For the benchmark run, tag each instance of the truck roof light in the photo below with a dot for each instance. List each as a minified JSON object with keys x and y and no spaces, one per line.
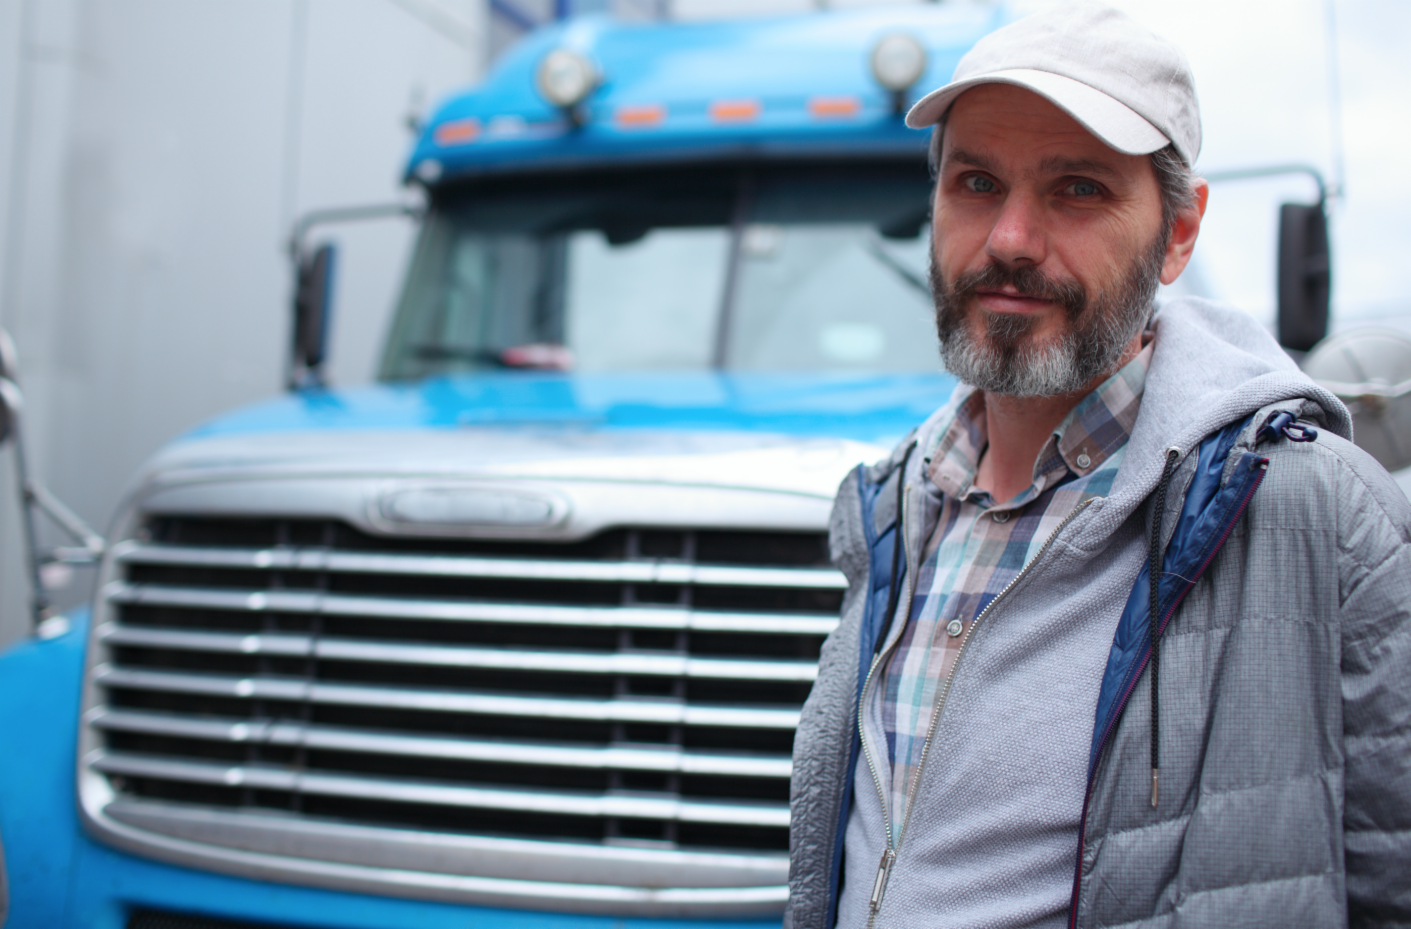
{"x":732,"y":111}
{"x":641,"y":115}
{"x":565,"y":78}
{"x":898,"y":61}
{"x":825,"y":107}
{"x":457,"y":132}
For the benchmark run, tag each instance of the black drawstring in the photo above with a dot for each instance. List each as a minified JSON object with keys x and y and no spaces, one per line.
{"x":1154,"y":620}
{"x":893,"y":594}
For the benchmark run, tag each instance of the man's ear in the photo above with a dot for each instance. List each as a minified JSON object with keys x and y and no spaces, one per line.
{"x":1184,"y":233}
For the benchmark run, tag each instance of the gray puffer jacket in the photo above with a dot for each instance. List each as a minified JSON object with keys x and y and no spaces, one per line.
{"x":1284,"y":715}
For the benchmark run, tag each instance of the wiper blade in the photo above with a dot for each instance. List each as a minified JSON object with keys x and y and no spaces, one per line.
{"x":921,"y":285}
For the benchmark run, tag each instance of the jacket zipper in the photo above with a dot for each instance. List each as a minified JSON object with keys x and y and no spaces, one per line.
{"x":1127,"y":694}
{"x":884,"y":869}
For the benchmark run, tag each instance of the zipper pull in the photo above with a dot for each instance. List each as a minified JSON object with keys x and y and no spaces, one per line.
{"x":884,"y":871}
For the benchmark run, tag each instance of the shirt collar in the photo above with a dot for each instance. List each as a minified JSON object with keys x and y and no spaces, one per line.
{"x":1091,"y":433}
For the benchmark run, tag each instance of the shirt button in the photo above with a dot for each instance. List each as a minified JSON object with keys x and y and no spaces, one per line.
{"x":954,"y":628}
{"x":1001,"y":516}
{"x":1084,"y":461}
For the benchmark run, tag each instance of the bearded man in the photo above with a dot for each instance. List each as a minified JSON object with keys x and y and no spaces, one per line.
{"x":1126,"y":638}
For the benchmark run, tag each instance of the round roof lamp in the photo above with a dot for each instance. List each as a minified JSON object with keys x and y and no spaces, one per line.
{"x":898,"y":61}
{"x":565,"y":79}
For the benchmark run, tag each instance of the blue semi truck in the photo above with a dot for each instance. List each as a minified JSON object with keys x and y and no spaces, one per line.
{"x":519,"y":635}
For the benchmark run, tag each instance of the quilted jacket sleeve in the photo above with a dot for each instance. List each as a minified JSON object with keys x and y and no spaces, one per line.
{"x":1375,"y":577}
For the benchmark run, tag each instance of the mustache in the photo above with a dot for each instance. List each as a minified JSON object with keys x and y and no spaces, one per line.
{"x":1027,"y":281}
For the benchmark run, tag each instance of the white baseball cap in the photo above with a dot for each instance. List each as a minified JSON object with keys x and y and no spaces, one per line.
{"x":1126,"y":85}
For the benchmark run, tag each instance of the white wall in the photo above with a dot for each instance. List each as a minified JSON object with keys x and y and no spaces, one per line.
{"x":154,"y":155}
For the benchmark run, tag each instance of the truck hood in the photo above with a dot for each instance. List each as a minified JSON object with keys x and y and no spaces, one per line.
{"x":868,"y":408}
{"x":783,"y":434}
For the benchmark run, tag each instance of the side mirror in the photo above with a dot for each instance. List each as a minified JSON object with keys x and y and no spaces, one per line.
{"x":10,"y":403}
{"x":10,"y":399}
{"x":313,"y":313}
{"x":1305,"y":275}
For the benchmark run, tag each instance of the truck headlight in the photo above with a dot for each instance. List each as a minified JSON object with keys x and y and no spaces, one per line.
{"x":565,"y":78}
{"x":898,"y":61}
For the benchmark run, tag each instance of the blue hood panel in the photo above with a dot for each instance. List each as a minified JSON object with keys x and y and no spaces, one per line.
{"x":864,"y":408}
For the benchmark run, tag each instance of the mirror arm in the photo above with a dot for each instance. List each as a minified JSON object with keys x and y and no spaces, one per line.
{"x":1241,"y":174}
{"x":34,"y":496}
{"x":40,"y":605}
{"x":346,"y":214}
{"x":92,"y":543}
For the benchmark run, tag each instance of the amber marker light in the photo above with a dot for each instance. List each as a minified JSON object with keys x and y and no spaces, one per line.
{"x":834,"y":107}
{"x":734,"y":111}
{"x":637,"y":116}
{"x":457,"y":132}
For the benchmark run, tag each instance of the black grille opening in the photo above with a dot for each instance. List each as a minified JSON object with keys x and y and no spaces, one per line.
{"x":778,"y":742}
{"x":147,"y":744}
{"x":481,"y":589}
{"x":765,"y":839}
{"x":218,"y":578}
{"x":449,"y":819}
{"x":531,"y":729}
{"x":171,"y":617}
{"x":768,"y":600}
{"x":766,"y":645}
{"x":523,"y":683}
{"x":504,"y":635}
{"x":735,"y":788}
{"x":504,"y":775}
{"x":152,"y":788}
{"x":201,"y":705}
{"x":188,"y":662}
{"x":782,"y":549}
{"x":777,"y":694}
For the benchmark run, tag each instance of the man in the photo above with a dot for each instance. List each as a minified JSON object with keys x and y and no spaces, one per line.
{"x":1010,"y":726}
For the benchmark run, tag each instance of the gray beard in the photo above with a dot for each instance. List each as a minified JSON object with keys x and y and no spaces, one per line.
{"x":1005,"y":359}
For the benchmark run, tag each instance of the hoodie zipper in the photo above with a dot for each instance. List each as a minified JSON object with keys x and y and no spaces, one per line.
{"x":889,"y":857}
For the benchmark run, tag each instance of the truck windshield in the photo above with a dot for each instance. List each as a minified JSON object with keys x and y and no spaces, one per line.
{"x":781,"y":268}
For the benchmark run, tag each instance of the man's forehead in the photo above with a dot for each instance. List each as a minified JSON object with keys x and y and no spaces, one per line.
{"x":993,"y":125}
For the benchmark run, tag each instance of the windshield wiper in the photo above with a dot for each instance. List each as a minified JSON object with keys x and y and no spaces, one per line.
{"x":875,"y":249}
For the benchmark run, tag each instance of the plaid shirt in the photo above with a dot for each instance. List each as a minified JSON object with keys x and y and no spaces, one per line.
{"x":979,"y":546}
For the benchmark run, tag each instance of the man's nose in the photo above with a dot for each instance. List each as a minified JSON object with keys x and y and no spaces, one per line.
{"x":1017,"y":236}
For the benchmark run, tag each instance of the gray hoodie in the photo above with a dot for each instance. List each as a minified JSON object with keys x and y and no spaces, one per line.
{"x":1285,"y":713}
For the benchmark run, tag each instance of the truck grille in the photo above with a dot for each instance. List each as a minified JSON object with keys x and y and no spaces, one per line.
{"x":639,"y":688}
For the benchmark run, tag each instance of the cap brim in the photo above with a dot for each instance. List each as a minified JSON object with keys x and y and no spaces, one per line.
{"x":1116,"y":124}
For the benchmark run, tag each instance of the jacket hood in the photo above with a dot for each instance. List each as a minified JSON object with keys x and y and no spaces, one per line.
{"x":1212,"y":366}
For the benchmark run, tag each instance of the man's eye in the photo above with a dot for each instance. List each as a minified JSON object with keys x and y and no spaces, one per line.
{"x":981,"y":185}
{"x":1083,"y":189}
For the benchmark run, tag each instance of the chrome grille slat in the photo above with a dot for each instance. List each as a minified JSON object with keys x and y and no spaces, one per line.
{"x":421,"y":792}
{"x":644,"y":572}
{"x":355,"y":740}
{"x":526,"y":614}
{"x":504,"y":659}
{"x":663,"y":712}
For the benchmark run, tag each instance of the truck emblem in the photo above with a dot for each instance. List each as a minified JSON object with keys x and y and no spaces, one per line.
{"x":470,"y":506}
